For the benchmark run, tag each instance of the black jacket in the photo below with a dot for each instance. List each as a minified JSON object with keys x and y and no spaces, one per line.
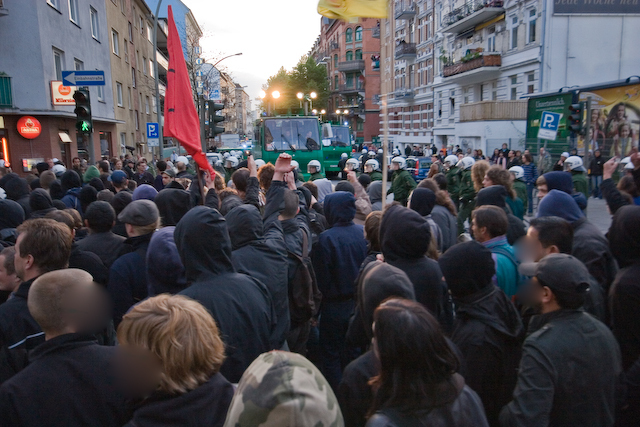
{"x":448,"y":225}
{"x":568,"y":373}
{"x":17,"y":190}
{"x":69,"y":382}
{"x":172,"y":204}
{"x":16,"y":326}
{"x":89,"y":262}
{"x":207,"y":405}
{"x":144,"y":178}
{"x":40,"y":203}
{"x":405,"y":238}
{"x":592,"y":248}
{"x":595,"y":167}
{"x":488,"y":331}
{"x":262,"y":254}
{"x":240,"y":305}
{"x":107,"y":246}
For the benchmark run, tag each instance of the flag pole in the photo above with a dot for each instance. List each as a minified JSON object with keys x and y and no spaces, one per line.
{"x":200,"y":178}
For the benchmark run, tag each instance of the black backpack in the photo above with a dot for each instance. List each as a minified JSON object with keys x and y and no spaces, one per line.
{"x":304,"y":295}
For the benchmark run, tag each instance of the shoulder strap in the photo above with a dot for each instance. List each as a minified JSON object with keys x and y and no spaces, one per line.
{"x":503,"y":251}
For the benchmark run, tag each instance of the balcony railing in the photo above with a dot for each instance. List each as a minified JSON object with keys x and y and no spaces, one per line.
{"x":403,"y":93}
{"x":493,"y":110}
{"x":471,"y":14}
{"x":163,"y":61}
{"x":6,"y":98}
{"x":355,"y":65}
{"x":405,"y":10}
{"x":488,"y":60}
{"x":405,"y":50}
{"x":351,"y":88}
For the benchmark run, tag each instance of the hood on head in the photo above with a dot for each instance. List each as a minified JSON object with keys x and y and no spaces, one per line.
{"x":40,"y":200}
{"x":11,"y":214}
{"x":173,"y":204}
{"x":580,"y":200}
{"x":559,"y":181}
{"x":339,"y":207}
{"x":70,"y":179}
{"x":467,"y":268}
{"x":230,"y":202}
{"x":92,"y":172}
{"x":422,"y":201}
{"x":378,"y":282}
{"x":559,"y":203}
{"x":8,"y":177}
{"x":165,"y":272}
{"x":375,"y":191}
{"x":121,"y":201}
{"x":404,"y":234}
{"x":16,"y":188}
{"x":245,"y":225}
{"x":283,"y":389}
{"x":495,"y":195}
{"x":624,"y":235}
{"x":145,"y":192}
{"x":203,"y":243}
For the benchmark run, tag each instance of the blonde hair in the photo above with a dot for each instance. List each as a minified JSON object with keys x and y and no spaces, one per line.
{"x":146,"y":229}
{"x":478,"y":171}
{"x":181,"y":333}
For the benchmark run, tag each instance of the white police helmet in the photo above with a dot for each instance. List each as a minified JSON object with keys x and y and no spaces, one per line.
{"x":373,"y":163}
{"x":344,"y":155}
{"x":380,"y":151}
{"x":315,"y":165}
{"x":233,"y":160}
{"x":573,"y":163}
{"x":352,"y":164}
{"x":517,"y":171}
{"x":451,"y":159}
{"x":295,"y":164}
{"x":259,"y":163}
{"x":466,"y":163}
{"x":402,"y":163}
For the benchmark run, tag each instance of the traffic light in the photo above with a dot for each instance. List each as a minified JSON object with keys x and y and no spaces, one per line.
{"x":214,"y":119}
{"x":83,"y":111}
{"x":575,"y":118}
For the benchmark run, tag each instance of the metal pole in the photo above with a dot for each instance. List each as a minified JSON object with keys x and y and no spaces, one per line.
{"x":202,"y":119}
{"x":385,"y":149}
{"x":587,"y":125}
{"x":157,"y":78}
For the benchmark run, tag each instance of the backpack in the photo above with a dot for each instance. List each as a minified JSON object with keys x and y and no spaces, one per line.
{"x":304,"y":295}
{"x":520,"y":279}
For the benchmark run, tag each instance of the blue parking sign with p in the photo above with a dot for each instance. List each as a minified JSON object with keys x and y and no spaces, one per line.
{"x":152,"y":130}
{"x":549,"y":123}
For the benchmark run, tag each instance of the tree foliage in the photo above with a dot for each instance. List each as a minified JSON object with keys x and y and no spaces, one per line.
{"x":305,"y":77}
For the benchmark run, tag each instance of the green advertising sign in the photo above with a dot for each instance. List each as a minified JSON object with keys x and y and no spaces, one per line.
{"x":554,"y":103}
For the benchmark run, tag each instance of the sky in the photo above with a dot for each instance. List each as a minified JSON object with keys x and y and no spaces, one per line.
{"x":270,"y":34}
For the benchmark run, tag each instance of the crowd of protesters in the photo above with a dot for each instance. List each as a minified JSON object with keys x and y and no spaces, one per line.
{"x":153,"y":294}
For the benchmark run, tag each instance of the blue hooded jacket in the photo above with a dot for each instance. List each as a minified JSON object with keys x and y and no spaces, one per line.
{"x":559,"y":203}
{"x":562,"y":181}
{"x":341,"y":249}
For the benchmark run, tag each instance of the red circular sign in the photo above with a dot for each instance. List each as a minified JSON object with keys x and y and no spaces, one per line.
{"x":29,"y":127}
{"x":64,"y":90}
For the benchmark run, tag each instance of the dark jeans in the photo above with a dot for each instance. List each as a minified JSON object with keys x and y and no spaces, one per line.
{"x":333,"y":325}
{"x":596,"y":180}
{"x":530,"y":188}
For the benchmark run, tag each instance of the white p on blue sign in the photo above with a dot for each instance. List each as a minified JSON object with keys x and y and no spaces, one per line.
{"x":549,"y":123}
{"x":153,"y":134}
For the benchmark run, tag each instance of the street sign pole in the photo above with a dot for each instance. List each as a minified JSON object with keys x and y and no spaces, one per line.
{"x":157,"y":80}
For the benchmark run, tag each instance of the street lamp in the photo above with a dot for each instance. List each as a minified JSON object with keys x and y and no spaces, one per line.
{"x":300,"y":95}
{"x":235,"y":54}
{"x":274,"y":95}
{"x":338,"y":112}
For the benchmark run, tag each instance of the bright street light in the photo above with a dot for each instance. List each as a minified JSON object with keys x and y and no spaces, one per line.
{"x":299,"y":95}
{"x":263,"y":94}
{"x":313,"y":95}
{"x":275,"y":94}
{"x":338,"y":111}
{"x":345,"y":112}
{"x":323,"y":112}
{"x":314,"y":111}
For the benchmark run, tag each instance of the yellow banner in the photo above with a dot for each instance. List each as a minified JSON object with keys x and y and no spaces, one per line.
{"x":348,"y":10}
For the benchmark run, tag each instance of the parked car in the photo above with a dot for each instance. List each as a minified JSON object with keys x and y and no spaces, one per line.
{"x":419,"y":167}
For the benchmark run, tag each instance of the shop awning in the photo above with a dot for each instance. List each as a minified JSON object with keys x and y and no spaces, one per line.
{"x":64,"y":137}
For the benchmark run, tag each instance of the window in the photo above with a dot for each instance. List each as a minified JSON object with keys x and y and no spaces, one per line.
{"x":149,"y":33}
{"x":58,"y":60}
{"x":122,"y":6}
{"x":53,"y":3}
{"x":95,"y":30}
{"x":78,"y":65}
{"x":153,"y":101}
{"x":336,"y":82}
{"x":349,"y":56}
{"x":130,"y":99}
{"x":514,"y":32}
{"x":348,"y":36}
{"x":144,"y":65}
{"x":123,"y":140}
{"x":482,"y":92}
{"x":358,"y":54}
{"x":126,"y":51}
{"x":491,"y":39}
{"x":119,"y":94}
{"x":146,"y":105}
{"x":130,"y":32}
{"x":136,"y":120}
{"x":335,"y":61}
{"x":151,"y":69}
{"x":514,"y":87}
{"x":531,"y":27}
{"x":133,"y":77}
{"x":531,"y":83}
{"x":359,"y":126}
{"x":494,"y":91}
{"x":114,"y":41}
{"x":358,"y":34}
{"x":467,"y":95}
{"x":101,"y":93}
{"x":73,"y":10}
{"x":141,"y":25}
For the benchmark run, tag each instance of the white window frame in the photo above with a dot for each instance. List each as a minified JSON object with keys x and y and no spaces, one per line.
{"x":513,"y":32}
{"x":144,"y":65}
{"x":119,"y":94}
{"x":531,"y":82}
{"x":531,"y":20}
{"x":130,"y":31}
{"x":137,"y":121}
{"x":133,"y":77}
{"x":149,"y":32}
{"x":123,"y":140}
{"x":100,"y":93}
{"x":126,"y":51}
{"x":95,"y":25}
{"x":54,"y":4}
{"x":73,"y":11}
{"x":491,"y":39}
{"x":78,"y":65}
{"x":115,"y":42}
{"x":146,"y":105}
{"x":57,"y":53}
{"x":513,"y":86}
{"x":151,"y":70}
{"x":141,"y":24}
{"x":122,"y":5}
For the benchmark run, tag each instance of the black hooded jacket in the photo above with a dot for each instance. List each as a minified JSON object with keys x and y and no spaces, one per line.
{"x":11,"y":216}
{"x":40,"y":203}
{"x":496,"y":195}
{"x":18,"y":190}
{"x":405,"y":238}
{"x":173,"y":204}
{"x":240,"y":304}
{"x":259,"y":250}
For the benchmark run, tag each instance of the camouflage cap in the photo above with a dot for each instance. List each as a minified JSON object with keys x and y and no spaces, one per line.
{"x":283,"y":389}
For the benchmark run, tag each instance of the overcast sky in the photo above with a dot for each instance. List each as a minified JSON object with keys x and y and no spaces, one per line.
{"x":270,"y":34}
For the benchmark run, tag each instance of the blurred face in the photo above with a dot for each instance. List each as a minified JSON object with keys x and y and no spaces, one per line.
{"x":624,"y":132}
{"x":138,"y":370}
{"x":486,"y":182}
{"x":590,"y":134}
{"x":542,"y":191}
{"x":395,"y":166}
{"x":166,"y":179}
{"x":118,"y":165}
{"x":50,"y":163}
{"x":8,"y":282}
{"x":76,"y":162}
{"x":535,"y":251}
{"x":368,"y":168}
{"x":312,"y":169}
{"x":142,"y":166}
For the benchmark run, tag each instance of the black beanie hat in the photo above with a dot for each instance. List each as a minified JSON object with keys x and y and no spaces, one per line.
{"x":467,"y":268}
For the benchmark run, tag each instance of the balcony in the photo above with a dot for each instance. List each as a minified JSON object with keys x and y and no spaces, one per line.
{"x":493,"y":110}
{"x":351,"y":88}
{"x":487,"y":62}
{"x":405,"y":50}
{"x":163,"y":61}
{"x":471,"y":14}
{"x":334,"y":45}
{"x":403,"y":93}
{"x":6,"y":99}
{"x":355,"y":65}
{"x":405,"y":10}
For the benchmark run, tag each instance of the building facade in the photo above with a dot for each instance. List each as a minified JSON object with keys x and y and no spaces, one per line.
{"x":40,"y":40}
{"x":351,"y":54}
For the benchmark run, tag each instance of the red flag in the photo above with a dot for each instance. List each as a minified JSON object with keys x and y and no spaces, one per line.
{"x":180,"y":117}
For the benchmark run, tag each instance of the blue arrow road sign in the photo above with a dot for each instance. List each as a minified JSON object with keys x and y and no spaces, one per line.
{"x":549,"y":123}
{"x":83,"y":78}
{"x":152,"y":130}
